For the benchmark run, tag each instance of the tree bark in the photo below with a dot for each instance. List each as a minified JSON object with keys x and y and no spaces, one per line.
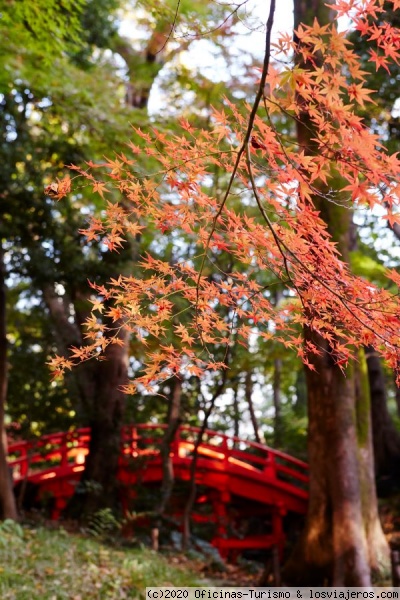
{"x":173,"y":422}
{"x":378,"y":551}
{"x":276,"y":389}
{"x":102,"y":403}
{"x":99,"y":487}
{"x":276,"y":396}
{"x":334,"y":545}
{"x":397,"y":397}
{"x":236,"y":412}
{"x":248,"y":393}
{"x":8,"y":507}
{"x":342,"y":525}
{"x":192,"y":482}
{"x":386,"y":438}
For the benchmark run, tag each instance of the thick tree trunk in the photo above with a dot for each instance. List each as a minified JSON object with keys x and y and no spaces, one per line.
{"x":98,"y":487}
{"x":378,"y":551}
{"x":334,"y":546}
{"x":342,"y":524}
{"x":8,"y":507}
{"x":101,"y":402}
{"x":386,"y":438}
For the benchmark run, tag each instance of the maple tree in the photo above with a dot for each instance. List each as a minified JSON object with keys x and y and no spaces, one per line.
{"x":291,"y":240}
{"x":280,"y":224}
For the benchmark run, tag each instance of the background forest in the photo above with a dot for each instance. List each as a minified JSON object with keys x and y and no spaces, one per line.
{"x":78,"y":79}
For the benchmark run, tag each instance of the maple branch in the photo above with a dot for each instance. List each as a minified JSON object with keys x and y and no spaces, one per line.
{"x":334,"y":155}
{"x":213,"y":29}
{"x":192,"y":479}
{"x":268,"y":221}
{"x":256,"y":104}
{"x":281,"y":244}
{"x":171,"y":31}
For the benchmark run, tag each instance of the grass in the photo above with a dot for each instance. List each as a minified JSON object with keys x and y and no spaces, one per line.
{"x":38,"y":563}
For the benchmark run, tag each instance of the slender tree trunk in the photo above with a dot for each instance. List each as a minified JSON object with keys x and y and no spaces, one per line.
{"x":396,"y":230}
{"x":192,"y":485}
{"x":342,"y":516}
{"x":386,"y":438}
{"x":397,"y":397}
{"x":192,"y":482}
{"x":300,"y":406}
{"x":173,"y":422}
{"x":276,"y":396}
{"x":8,"y":508}
{"x":236,"y":413}
{"x":276,"y":389}
{"x":248,"y":393}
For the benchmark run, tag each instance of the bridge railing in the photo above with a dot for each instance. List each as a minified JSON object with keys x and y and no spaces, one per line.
{"x":235,"y":451}
{"x":49,"y":453}
{"x":61,"y":452}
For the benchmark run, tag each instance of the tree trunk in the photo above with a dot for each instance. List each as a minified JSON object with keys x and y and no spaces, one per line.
{"x":173,"y":422}
{"x":397,"y":397}
{"x":192,"y":482}
{"x":101,"y":401}
{"x":386,"y":438}
{"x":378,"y":551}
{"x":248,"y":393}
{"x":236,"y":412}
{"x":300,"y":406}
{"x":276,"y":389}
{"x":99,"y":486}
{"x":8,"y":507}
{"x":334,"y":546}
{"x":338,"y":543}
{"x":276,"y":395}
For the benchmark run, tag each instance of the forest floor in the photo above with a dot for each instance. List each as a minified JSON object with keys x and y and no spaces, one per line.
{"x":43,"y":561}
{"x":39,"y":562}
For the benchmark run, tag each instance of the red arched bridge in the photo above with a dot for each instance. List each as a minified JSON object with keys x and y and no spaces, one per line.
{"x":244,"y":489}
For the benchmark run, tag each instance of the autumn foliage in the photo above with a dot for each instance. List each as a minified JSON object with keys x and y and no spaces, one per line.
{"x":263,"y":218}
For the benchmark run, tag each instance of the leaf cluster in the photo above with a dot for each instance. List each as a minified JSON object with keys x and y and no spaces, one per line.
{"x":345,"y":165}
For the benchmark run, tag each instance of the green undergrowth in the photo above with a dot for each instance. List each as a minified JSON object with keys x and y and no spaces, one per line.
{"x":38,"y":563}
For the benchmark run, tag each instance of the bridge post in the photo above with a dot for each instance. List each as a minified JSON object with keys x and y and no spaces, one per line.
{"x":134,"y":438}
{"x":64,"y":450}
{"x":59,"y":505}
{"x":270,"y":466}
{"x":277,"y":528}
{"x":278,"y":513}
{"x":24,"y":464}
{"x":219,"y":502}
{"x":225,"y":450}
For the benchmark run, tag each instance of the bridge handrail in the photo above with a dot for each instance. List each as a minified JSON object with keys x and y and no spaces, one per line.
{"x":295,"y":468}
{"x":60,"y":448}
{"x":225,"y":436}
